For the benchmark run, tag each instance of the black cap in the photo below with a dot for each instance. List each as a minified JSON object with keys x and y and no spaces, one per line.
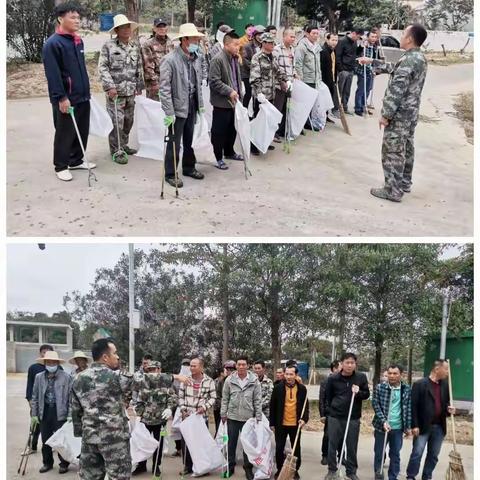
{"x":159,"y":21}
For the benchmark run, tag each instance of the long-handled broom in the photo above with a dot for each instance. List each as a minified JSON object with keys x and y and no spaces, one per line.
{"x":455,"y":469}
{"x":343,"y":117}
{"x":341,"y":474}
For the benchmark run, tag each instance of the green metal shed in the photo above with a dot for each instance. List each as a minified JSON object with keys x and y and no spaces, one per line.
{"x":255,"y":12}
{"x":459,"y":351}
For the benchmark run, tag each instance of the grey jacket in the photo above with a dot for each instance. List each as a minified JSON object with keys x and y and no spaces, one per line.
{"x":240,"y":403}
{"x":221,"y":80}
{"x":307,"y":62}
{"x":174,"y":83}
{"x":63,"y":385}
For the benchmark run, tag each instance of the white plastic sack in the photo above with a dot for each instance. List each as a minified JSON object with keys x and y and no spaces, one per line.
{"x":302,"y":101}
{"x":242,"y":126}
{"x":142,"y":444}
{"x":64,"y":443}
{"x":207,"y":105}
{"x":175,"y":428}
{"x":100,"y":122}
{"x":264,"y":126}
{"x":205,"y":453}
{"x":257,"y":443}
{"x":149,"y":121}
{"x":201,"y":143}
{"x":318,"y":116}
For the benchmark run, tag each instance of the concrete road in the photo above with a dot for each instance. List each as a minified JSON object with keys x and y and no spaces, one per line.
{"x":320,"y":189}
{"x":17,"y":428}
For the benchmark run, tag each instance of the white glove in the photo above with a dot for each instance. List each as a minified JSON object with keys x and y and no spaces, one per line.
{"x":261,"y":98}
{"x":167,"y":413}
{"x":289,"y":86}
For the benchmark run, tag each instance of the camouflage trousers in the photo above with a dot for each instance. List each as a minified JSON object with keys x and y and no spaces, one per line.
{"x":112,"y":459}
{"x":125,"y":113}
{"x":398,"y":155}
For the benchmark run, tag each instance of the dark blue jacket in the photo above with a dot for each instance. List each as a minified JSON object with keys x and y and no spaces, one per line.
{"x":65,"y":68}
{"x":32,"y":372}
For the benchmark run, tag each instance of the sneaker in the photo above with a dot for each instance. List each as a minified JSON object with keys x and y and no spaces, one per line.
{"x":271,"y":147}
{"x":324,"y":461}
{"x":335,"y":113}
{"x":83,"y":166}
{"x":63,"y":469}
{"x":331,"y":475}
{"x":407,"y":189}
{"x":352,"y":476}
{"x":130,"y":151}
{"x":64,"y":175}
{"x":139,"y":470}
{"x":194,"y":174}
{"x":171,"y":181}
{"x":46,"y":468}
{"x":235,"y":156}
{"x":359,"y":114}
{"x":385,"y":195}
{"x":379,"y":476}
{"x":277,"y":139}
{"x":120,"y":158}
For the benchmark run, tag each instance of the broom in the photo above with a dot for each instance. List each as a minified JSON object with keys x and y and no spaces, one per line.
{"x":455,"y":467}
{"x":289,"y":467}
{"x":343,"y":117}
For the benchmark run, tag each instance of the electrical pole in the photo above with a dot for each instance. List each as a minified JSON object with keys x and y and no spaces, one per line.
{"x":131,"y":307}
{"x":443,"y":338}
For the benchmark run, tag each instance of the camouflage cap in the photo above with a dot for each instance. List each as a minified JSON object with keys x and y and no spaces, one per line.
{"x":267,"y":38}
{"x":154,"y":364}
{"x":258,"y":29}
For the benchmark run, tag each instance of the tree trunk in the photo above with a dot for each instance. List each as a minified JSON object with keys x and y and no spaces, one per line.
{"x":378,"y":360}
{"x":191,"y":11}
{"x":332,"y":21}
{"x":275,"y":322}
{"x":341,"y":327}
{"x":225,"y":300}
{"x":132,"y":10}
{"x":410,"y":365}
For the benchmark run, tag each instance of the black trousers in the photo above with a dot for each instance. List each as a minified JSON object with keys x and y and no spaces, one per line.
{"x":234,"y":428}
{"x":281,"y":434}
{"x":155,"y":429}
{"x":66,"y":147}
{"x":344,"y":81}
{"x":333,"y":93}
{"x":178,"y":443}
{"x":325,"y":439}
{"x":280,"y":103}
{"x":248,"y":92}
{"x":256,"y":109}
{"x":48,"y":426}
{"x":223,"y":132}
{"x":336,"y":431}
{"x":186,"y":457}
{"x":218,"y":419}
{"x":183,"y":128}
{"x":308,"y":126}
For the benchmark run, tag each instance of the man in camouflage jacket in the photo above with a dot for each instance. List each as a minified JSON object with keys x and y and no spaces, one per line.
{"x":120,"y":70}
{"x":98,"y":400}
{"x":155,"y":407}
{"x":153,"y":51}
{"x":266,"y":384}
{"x":401,"y":105}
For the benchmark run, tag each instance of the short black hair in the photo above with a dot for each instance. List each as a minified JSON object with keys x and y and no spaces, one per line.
{"x":219,"y":24}
{"x":418,"y":33}
{"x":63,"y":8}
{"x":242,"y":357}
{"x":290,"y":363}
{"x":259,"y":362}
{"x":147,"y":356}
{"x":395,"y":365}
{"x":248,"y":25}
{"x":269,"y":28}
{"x":292,"y":366}
{"x":358,"y":30}
{"x":232,"y":36}
{"x":334,"y":364}
{"x":101,"y":346}
{"x":309,"y":28}
{"x":46,"y":346}
{"x":348,"y":355}
{"x":329,"y":35}
{"x":438,"y":362}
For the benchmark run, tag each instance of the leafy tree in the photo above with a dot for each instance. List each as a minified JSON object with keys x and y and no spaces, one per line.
{"x":448,"y":14}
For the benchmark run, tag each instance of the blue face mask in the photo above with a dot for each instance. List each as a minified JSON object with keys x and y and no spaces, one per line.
{"x":193,"y":48}
{"x":51,"y":369}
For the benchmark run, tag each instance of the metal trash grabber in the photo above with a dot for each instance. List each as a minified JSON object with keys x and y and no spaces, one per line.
{"x":341,"y":474}
{"x":226,"y":473}
{"x":286,"y":138}
{"x":365,"y":111}
{"x":163,"y":433}
{"x":175,"y":160}
{"x":166,"y":139}
{"x":25,"y":455}
{"x":90,"y":173}
{"x":120,"y":153}
{"x":386,"y":436}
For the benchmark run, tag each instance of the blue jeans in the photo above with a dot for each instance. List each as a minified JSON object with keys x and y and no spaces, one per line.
{"x":395,"y":442}
{"x":433,"y":441}
{"x":360,"y":99}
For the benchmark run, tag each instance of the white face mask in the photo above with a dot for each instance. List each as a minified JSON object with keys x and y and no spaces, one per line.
{"x":51,"y":369}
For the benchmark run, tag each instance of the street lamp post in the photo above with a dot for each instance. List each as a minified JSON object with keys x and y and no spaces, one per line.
{"x":131,"y":307}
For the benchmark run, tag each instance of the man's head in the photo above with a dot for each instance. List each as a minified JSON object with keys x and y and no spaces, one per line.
{"x":331,"y":39}
{"x":394,"y":374}
{"x":249,"y":27}
{"x":440,"y":369}
{"x":68,"y":16}
{"x":279,"y":374}
{"x":349,"y":363}
{"x":259,"y":368}
{"x":268,"y":42}
{"x":153,"y":367}
{"x":196,"y":366}
{"x":146,"y":359}
{"x":124,"y":32}
{"x":44,"y":349}
{"x":312,"y":33}
{"x":160,"y":27}
{"x":356,"y":34}
{"x":288,"y":37}
{"x":190,"y":44}
{"x":231,"y":43}
{"x":82,"y":363}
{"x":413,"y":36}
{"x":291,"y":374}
{"x":335,"y":366}
{"x":258,"y":31}
{"x":229,"y":367}
{"x":372,"y":37}
{"x":271,"y":29}
{"x":242,"y":365}
{"x":104,"y":351}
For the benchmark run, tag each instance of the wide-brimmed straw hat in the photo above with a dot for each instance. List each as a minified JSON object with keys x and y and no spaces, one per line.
{"x":78,"y":354}
{"x":119,"y":20}
{"x":187,"y":30}
{"x":50,"y":356}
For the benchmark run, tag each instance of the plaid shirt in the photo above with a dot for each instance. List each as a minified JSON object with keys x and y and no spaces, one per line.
{"x":189,"y":399}
{"x":370,"y":52}
{"x":285,"y":57}
{"x":381,"y":405}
